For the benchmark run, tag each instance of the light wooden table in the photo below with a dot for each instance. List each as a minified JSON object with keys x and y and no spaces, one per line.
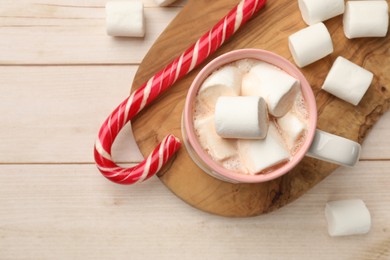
{"x":60,"y":76}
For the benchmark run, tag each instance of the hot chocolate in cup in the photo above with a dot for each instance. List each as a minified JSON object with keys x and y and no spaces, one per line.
{"x":316,"y":143}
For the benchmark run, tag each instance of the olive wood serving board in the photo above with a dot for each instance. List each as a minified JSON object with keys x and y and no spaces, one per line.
{"x":268,"y":30}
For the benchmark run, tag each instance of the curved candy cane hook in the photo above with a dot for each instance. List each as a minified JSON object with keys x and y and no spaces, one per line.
{"x":150,"y":90}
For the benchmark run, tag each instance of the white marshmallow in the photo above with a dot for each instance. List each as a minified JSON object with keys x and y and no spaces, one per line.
{"x":278,"y":88}
{"x":310,"y":44}
{"x":347,"y":217}
{"x":347,"y":81}
{"x":241,"y":117}
{"x":224,"y":82}
{"x":245,"y":65}
{"x":260,"y":155}
{"x":314,"y":11}
{"x":218,"y":147}
{"x":164,"y":2}
{"x":293,"y":127}
{"x":125,"y":18}
{"x":366,"y":19}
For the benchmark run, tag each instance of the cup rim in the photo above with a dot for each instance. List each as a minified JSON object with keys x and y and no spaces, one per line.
{"x":273,"y":59}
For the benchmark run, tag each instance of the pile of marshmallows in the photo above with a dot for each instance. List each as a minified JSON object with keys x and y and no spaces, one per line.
{"x":345,"y":80}
{"x":239,"y":104}
{"x":126,"y":18}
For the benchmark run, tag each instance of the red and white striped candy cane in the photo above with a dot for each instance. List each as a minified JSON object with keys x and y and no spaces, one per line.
{"x":131,"y":106}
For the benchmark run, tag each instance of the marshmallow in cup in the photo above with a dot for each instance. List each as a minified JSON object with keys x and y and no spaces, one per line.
{"x":325,"y":145}
{"x":278,"y":88}
{"x":225,"y":81}
{"x":260,"y":155}
{"x":233,"y":113}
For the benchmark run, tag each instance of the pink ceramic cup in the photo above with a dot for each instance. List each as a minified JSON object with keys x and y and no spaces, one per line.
{"x":317,"y":144}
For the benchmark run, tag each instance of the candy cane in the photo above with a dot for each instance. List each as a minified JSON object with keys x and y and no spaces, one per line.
{"x":149,"y":91}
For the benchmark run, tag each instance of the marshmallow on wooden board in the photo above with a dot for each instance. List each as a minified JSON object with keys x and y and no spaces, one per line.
{"x":224,"y":82}
{"x":314,"y":11}
{"x":347,"y":217}
{"x":164,"y":2}
{"x":126,"y":19}
{"x":310,"y":44}
{"x":278,"y":88}
{"x":260,"y":155}
{"x":347,"y":81}
{"x":293,"y":127}
{"x":366,"y":19}
{"x":218,"y":147}
{"x":241,"y":117}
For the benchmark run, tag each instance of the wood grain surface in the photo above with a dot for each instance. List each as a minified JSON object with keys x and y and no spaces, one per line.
{"x":268,"y":30}
{"x":60,"y":76}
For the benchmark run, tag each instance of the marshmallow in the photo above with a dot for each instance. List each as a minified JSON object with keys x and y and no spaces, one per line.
{"x":241,"y":117}
{"x":278,"y":88}
{"x":164,"y":2}
{"x":347,"y":217}
{"x":245,"y":65}
{"x":224,"y":82}
{"x":347,"y":81}
{"x":366,"y":19}
{"x":125,"y":18}
{"x":310,"y":44}
{"x":292,"y":127}
{"x":314,"y":11}
{"x":260,"y":155}
{"x":218,"y":147}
